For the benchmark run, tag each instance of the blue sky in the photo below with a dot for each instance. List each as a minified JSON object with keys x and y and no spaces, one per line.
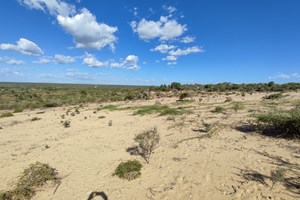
{"x":148,"y":42}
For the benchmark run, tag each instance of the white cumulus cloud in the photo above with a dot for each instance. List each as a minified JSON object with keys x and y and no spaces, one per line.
{"x":11,"y":61}
{"x":130,"y":62}
{"x":62,"y":59}
{"x":87,"y":32}
{"x":170,"y":58}
{"x":91,"y":61}
{"x":23,"y":46}
{"x":54,"y":7}
{"x":164,"y":29}
{"x":163,"y":48}
{"x":183,"y":52}
{"x":187,"y":39}
{"x":42,"y":60}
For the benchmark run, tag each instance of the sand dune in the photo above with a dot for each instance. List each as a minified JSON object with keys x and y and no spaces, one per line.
{"x":230,"y":164}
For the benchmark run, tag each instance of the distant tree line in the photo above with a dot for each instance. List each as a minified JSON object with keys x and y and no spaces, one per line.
{"x":227,"y":86}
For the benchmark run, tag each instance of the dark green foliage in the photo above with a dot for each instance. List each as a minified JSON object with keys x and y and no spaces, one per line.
{"x":6,"y":114}
{"x":128,"y":170}
{"x":176,"y":85}
{"x":274,"y":96}
{"x":34,"y":176}
{"x":18,"y":110}
{"x":184,"y":96}
{"x":280,"y":122}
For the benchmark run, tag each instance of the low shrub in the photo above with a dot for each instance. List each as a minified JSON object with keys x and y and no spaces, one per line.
{"x":284,"y":123}
{"x":18,"y":110}
{"x":147,"y":141}
{"x":66,"y":124}
{"x":236,"y":106}
{"x":218,"y":109}
{"x":128,"y":170}
{"x":6,"y":114}
{"x":274,"y":96}
{"x":35,"y":119}
{"x":36,"y":175}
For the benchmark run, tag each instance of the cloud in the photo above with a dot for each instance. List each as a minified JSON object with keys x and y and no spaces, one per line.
{"x":170,"y":9}
{"x":172,"y":63}
{"x":285,"y":76}
{"x":23,"y":46}
{"x":170,"y":58}
{"x":42,"y":60}
{"x":131,"y":62}
{"x":62,"y":59}
{"x":54,"y":7}
{"x":9,"y":72}
{"x":164,"y":29}
{"x":187,"y":39}
{"x":183,"y":52}
{"x":77,"y":75}
{"x":87,"y":32}
{"x":91,"y":61}
{"x":163,"y":48}
{"x":11,"y":61}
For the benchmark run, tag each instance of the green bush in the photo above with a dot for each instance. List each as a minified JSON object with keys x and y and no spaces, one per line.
{"x":129,"y":170}
{"x":6,"y":114}
{"x":274,"y":96}
{"x":18,"y":110}
{"x":280,"y":122}
{"x":236,"y":106}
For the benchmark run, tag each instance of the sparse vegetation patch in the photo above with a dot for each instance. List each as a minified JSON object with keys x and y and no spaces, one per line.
{"x":129,"y":170}
{"x":36,"y":175}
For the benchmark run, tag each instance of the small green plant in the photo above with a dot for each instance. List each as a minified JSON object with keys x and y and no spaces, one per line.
{"x":35,"y":119}
{"x":18,"y":110}
{"x":128,"y":170}
{"x":6,"y":114}
{"x":277,"y":175}
{"x":147,"y":141}
{"x":72,"y":114}
{"x":236,"y":106}
{"x":218,"y":109}
{"x":62,"y":116}
{"x":66,"y":124}
{"x":101,"y":117}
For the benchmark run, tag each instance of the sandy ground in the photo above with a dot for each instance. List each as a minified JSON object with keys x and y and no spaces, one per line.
{"x":229,"y":165}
